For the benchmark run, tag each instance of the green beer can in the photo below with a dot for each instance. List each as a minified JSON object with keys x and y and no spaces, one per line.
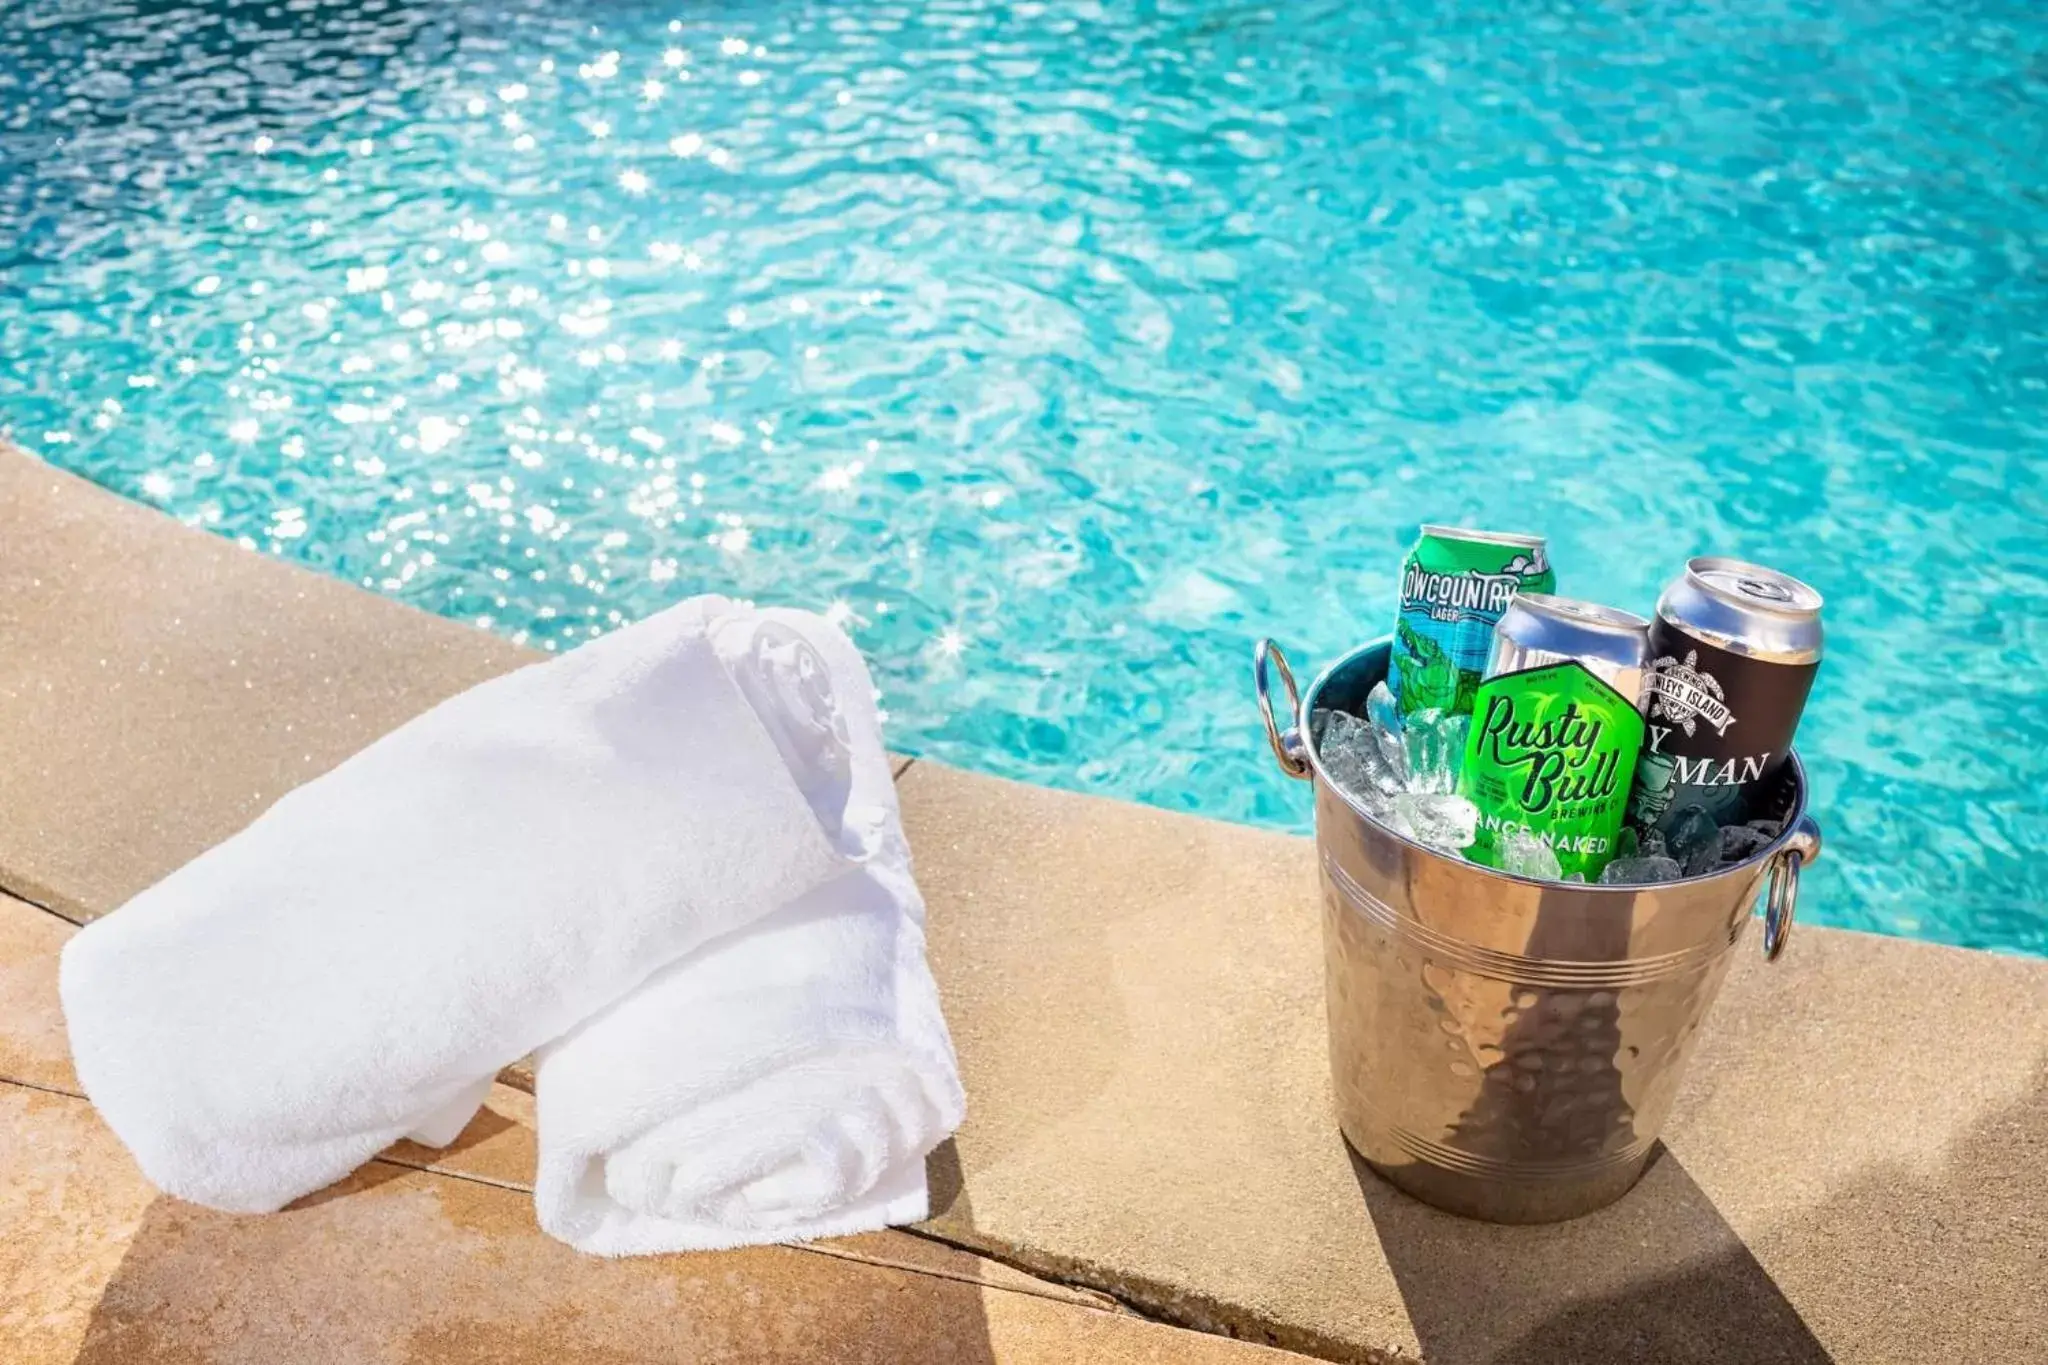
{"x":1455,"y":584}
{"x":1557,"y":726}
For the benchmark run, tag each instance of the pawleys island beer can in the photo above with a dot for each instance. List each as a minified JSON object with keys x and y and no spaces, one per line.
{"x":1732,"y":656}
{"x":1556,"y":729}
{"x":1454,"y":586}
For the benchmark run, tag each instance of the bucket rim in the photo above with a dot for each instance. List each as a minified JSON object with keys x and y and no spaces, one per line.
{"x":1312,"y":746}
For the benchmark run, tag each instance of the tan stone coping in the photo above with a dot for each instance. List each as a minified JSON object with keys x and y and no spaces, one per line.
{"x":1853,"y":1170}
{"x":427,"y":1255}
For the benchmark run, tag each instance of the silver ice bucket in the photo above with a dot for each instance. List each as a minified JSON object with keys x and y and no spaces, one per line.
{"x":1503,"y":1048}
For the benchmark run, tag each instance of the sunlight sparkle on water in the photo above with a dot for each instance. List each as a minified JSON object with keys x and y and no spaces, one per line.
{"x":1058,"y":356}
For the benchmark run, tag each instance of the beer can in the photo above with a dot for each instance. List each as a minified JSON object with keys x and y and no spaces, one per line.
{"x":1556,"y":729}
{"x":1455,"y":584}
{"x":1733,"y":653}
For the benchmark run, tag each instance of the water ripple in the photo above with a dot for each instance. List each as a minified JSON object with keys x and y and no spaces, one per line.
{"x":1058,"y":350}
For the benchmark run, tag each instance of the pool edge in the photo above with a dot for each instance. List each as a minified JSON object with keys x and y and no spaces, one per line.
{"x":1136,"y":995}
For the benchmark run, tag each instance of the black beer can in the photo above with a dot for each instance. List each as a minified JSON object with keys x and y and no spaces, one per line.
{"x":1733,"y":651}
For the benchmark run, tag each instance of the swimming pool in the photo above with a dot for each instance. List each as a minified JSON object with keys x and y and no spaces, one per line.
{"x":1059,"y":350}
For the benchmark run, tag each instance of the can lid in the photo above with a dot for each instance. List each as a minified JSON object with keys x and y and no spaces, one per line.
{"x":1610,"y":643}
{"x":1588,"y":617}
{"x":1752,"y":586}
{"x":1745,"y":609}
{"x":1514,"y":538}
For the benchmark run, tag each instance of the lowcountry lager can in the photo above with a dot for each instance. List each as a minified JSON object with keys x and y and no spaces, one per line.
{"x":1556,"y":728}
{"x":1732,"y":656}
{"x":1454,"y":586}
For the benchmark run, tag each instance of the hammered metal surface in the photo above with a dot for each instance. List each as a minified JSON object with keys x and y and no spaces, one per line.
{"x":1501,"y":1048}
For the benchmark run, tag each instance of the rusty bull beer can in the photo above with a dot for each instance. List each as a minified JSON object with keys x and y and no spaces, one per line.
{"x":1556,"y":729}
{"x":1733,"y":652}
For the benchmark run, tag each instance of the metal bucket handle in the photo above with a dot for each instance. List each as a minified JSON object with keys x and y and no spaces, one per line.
{"x":1781,"y":897}
{"x":1290,"y":750}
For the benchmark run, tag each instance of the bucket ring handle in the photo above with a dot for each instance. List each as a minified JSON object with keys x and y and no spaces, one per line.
{"x":1289,"y":750}
{"x":1782,"y":896}
{"x":1780,"y":901}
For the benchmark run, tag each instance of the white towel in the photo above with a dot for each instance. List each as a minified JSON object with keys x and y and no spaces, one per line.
{"x":359,"y":962}
{"x":782,"y":1084}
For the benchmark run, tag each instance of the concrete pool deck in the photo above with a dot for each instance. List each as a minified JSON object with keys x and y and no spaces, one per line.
{"x":1853,"y":1170}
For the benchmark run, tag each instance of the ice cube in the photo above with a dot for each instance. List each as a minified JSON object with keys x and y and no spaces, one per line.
{"x":1438,"y":819}
{"x":1382,"y":709}
{"x":1649,"y":843}
{"x":1693,"y":840}
{"x":1391,"y":750}
{"x":1457,"y":732}
{"x":1627,"y":844}
{"x":1578,"y":877}
{"x":1640,"y":871}
{"x":1770,"y":829}
{"x":1524,"y":853}
{"x":1435,"y":746}
{"x":1352,"y":757}
{"x":1740,"y":842}
{"x":1330,"y":727}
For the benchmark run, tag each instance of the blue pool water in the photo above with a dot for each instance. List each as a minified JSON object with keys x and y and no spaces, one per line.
{"x":1060,"y":349}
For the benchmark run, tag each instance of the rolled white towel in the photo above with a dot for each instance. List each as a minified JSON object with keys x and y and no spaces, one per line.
{"x":359,"y":962}
{"x":782,"y":1084}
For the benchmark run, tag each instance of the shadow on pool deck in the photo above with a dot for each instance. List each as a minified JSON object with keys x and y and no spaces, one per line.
{"x":1472,"y":1289}
{"x":394,"y":1264}
{"x":1479,"y":1294}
